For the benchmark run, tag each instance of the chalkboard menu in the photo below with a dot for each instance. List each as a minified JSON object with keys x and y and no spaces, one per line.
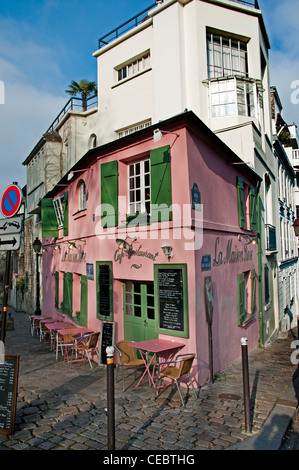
{"x":171,"y":299}
{"x":106,"y":339}
{"x":9,"y":373}
{"x":104,"y":290}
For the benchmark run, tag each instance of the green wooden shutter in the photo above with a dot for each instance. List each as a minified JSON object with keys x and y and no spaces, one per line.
{"x":253,"y":208}
{"x":49,"y":220}
{"x":253,"y":292}
{"x":109,"y":194}
{"x":67,"y":306}
{"x":56,"y":289}
{"x":241,"y":299}
{"x":83,"y":301}
{"x":65,"y":213}
{"x":241,"y":205}
{"x":160,"y":184}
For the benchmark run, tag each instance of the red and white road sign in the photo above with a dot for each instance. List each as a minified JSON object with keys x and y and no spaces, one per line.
{"x":11,"y":200}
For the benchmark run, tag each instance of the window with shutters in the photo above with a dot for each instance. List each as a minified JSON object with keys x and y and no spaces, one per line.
{"x":54,"y":216}
{"x":246,"y":296}
{"x":149,"y":190}
{"x":247,"y":206}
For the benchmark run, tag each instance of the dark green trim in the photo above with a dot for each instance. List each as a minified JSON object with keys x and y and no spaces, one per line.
{"x":185,"y":332}
{"x":99,"y":316}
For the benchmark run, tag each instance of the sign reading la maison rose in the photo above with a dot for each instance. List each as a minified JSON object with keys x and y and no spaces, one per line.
{"x":231,"y":255}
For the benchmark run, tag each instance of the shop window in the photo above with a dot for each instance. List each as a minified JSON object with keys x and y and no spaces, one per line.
{"x":246,"y":296}
{"x":54,"y":216}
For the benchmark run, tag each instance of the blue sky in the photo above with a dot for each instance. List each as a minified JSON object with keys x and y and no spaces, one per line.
{"x":45,"y":44}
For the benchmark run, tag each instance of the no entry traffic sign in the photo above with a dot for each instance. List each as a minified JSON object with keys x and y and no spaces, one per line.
{"x":11,"y":200}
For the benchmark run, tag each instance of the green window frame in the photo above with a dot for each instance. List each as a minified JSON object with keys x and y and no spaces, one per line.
{"x":49,"y":219}
{"x":183,"y":332}
{"x":67,"y":303}
{"x":81,"y":319}
{"x":56,"y":289}
{"x":109,"y":194}
{"x":246,"y":311}
{"x":108,"y":282}
{"x":253,"y":208}
{"x":161,"y":194}
{"x":241,"y":202}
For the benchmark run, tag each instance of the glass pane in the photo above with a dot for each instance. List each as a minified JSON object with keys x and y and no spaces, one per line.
{"x":151,"y":313}
{"x":150,"y":288}
{"x":137,"y":311}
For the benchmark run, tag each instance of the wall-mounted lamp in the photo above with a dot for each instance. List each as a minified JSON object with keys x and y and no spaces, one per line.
{"x":296,"y":227}
{"x":167,"y":250}
{"x":71,"y":174}
{"x":57,"y":247}
{"x":158,"y":134}
{"x":71,"y":245}
{"x":251,"y":240}
{"x":122,"y":244}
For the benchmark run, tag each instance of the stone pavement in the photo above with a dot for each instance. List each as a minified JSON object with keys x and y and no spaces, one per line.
{"x":63,"y":408}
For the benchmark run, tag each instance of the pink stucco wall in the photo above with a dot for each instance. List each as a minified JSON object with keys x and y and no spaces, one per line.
{"x":192,"y":161}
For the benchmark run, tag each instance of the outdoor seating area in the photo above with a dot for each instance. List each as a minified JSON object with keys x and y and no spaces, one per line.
{"x":66,"y":338}
{"x":153,"y":354}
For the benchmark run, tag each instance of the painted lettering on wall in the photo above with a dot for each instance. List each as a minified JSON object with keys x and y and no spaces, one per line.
{"x":121,"y":253}
{"x":79,"y":256}
{"x":231,"y":255}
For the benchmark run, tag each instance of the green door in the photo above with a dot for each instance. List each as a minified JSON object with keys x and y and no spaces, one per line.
{"x":139,"y":311}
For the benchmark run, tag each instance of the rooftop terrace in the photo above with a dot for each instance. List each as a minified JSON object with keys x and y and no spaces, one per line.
{"x":143,"y":15}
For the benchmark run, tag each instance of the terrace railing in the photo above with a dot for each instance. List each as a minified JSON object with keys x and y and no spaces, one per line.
{"x":142,"y":16}
{"x":75,"y":104}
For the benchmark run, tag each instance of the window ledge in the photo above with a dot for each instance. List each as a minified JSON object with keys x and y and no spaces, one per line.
{"x":79,"y":214}
{"x":124,"y":80}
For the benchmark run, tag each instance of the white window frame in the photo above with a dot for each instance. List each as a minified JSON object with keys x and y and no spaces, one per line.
{"x":139,"y":185}
{"x":134,"y":67}
{"x":222,"y":56}
{"x":59,"y":210}
{"x":226,"y":98}
{"x":82,"y":196}
{"x":135,"y":128}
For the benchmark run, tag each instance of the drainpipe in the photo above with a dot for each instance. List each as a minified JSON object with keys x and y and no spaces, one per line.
{"x":261,"y":323}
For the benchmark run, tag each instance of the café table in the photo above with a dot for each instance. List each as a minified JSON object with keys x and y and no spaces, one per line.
{"x":55,"y":326}
{"x":42,"y":324}
{"x":76,"y":331}
{"x":36,"y":319}
{"x":159,"y":348}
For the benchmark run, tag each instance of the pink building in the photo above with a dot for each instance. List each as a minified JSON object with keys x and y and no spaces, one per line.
{"x":157,"y":234}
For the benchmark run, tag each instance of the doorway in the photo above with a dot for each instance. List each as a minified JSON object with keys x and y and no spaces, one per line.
{"x":140,"y":321}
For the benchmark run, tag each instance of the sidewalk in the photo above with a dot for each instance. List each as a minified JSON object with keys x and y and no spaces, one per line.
{"x":61,"y":408}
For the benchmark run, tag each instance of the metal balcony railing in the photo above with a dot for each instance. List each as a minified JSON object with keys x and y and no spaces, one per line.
{"x":75,"y":104}
{"x":127,"y":26}
{"x":271,"y":237}
{"x":142,"y":16}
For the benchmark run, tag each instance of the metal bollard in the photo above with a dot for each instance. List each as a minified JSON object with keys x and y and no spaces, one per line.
{"x":110,"y":397}
{"x":246,"y":384}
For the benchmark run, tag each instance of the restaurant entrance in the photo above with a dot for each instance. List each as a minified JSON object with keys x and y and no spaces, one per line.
{"x":140,"y":321}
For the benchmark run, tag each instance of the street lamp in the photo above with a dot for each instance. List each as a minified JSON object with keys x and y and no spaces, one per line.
{"x":37,"y":244}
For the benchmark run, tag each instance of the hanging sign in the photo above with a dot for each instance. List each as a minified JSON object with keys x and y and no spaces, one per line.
{"x":11,"y":200}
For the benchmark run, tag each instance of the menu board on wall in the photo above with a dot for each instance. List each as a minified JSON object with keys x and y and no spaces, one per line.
{"x":104,"y":290}
{"x":171,"y":299}
{"x":9,"y":372}
{"x":106,"y":339}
